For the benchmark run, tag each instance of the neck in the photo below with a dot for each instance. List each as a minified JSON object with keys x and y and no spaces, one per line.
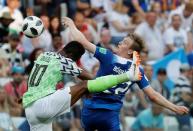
{"x":15,"y":83}
{"x":150,"y":25}
{"x":11,"y":10}
{"x":124,"y":55}
{"x":176,"y":28}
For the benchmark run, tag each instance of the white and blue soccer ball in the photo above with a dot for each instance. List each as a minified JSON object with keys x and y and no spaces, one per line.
{"x":32,"y":26}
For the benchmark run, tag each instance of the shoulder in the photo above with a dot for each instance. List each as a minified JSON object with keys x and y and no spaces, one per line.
{"x":8,"y":86}
{"x":103,"y":50}
{"x":183,"y":31}
{"x":141,"y":27}
{"x":169,"y":31}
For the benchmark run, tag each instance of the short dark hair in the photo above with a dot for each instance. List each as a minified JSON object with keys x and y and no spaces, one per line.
{"x":74,"y":49}
{"x":174,"y":15}
{"x":161,"y":71}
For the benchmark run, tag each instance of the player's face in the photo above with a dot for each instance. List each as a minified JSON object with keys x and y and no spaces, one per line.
{"x":124,"y":45}
{"x":176,"y":21}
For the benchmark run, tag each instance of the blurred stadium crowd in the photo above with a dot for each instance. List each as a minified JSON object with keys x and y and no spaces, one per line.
{"x":165,"y":25}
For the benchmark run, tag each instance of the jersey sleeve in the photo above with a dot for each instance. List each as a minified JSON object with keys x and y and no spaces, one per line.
{"x":69,"y":67}
{"x":105,"y":56}
{"x":144,"y":82}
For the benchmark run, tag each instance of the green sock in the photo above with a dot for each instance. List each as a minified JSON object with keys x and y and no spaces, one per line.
{"x":106,"y":82}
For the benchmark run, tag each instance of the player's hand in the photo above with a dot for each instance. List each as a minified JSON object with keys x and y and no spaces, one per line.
{"x":67,"y":22}
{"x":181,"y":110}
{"x":74,"y":32}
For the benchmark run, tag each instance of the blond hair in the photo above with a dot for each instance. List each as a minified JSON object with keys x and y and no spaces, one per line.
{"x":138,"y":43}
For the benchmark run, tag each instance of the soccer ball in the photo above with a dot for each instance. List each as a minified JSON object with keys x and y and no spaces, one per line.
{"x":32,"y":26}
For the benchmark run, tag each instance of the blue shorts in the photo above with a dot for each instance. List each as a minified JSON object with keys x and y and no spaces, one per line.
{"x":100,"y":119}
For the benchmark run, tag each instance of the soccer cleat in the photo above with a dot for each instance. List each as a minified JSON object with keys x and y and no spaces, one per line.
{"x":134,"y":73}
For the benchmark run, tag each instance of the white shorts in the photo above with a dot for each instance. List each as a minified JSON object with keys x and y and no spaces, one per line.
{"x":42,"y":112}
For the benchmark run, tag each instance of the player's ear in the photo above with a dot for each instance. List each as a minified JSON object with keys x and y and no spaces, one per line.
{"x":130,"y":53}
{"x":70,"y":55}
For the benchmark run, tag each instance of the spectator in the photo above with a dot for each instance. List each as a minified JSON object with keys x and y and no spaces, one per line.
{"x":139,"y":6}
{"x":5,"y":21}
{"x":144,"y":56}
{"x":159,"y":83}
{"x":4,"y":64}
{"x":168,"y":6}
{"x":12,"y":7}
{"x":161,"y":22}
{"x":55,"y":26}
{"x":72,"y":7}
{"x":151,"y":119}
{"x":88,"y":60}
{"x":13,"y":50}
{"x":15,"y":90}
{"x":18,"y":86}
{"x":105,"y":39}
{"x":80,"y":23}
{"x":5,"y":118}
{"x":175,"y":37}
{"x":190,"y":39}
{"x":152,"y":36}
{"x":33,"y":56}
{"x":45,"y":39}
{"x":119,"y":22}
{"x":182,"y":87}
{"x":185,"y":12}
{"x":136,"y":19}
{"x":56,"y":43}
{"x":148,"y":71}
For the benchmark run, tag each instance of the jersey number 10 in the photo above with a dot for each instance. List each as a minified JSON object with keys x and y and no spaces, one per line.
{"x":36,"y":74}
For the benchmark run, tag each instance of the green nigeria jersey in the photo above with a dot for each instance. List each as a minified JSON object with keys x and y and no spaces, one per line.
{"x":48,"y":70}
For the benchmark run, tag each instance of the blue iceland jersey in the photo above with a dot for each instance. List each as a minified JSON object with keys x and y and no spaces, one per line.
{"x":112,"y":98}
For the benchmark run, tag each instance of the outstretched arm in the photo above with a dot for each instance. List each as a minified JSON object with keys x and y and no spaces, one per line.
{"x":160,"y":100}
{"x":85,"y":75}
{"x":77,"y":35}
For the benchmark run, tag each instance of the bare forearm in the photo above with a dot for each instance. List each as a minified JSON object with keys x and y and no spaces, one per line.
{"x":85,"y":75}
{"x":160,"y":100}
{"x":78,"y":36}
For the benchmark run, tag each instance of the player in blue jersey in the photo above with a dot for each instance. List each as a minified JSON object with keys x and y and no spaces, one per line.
{"x":101,"y":111}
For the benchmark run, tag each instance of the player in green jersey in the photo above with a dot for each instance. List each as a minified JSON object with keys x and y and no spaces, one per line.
{"x":42,"y":102}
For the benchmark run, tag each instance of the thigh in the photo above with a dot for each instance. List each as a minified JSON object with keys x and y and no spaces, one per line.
{"x":34,"y":123}
{"x":51,"y":106}
{"x":100,"y":119}
{"x":41,"y":127}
